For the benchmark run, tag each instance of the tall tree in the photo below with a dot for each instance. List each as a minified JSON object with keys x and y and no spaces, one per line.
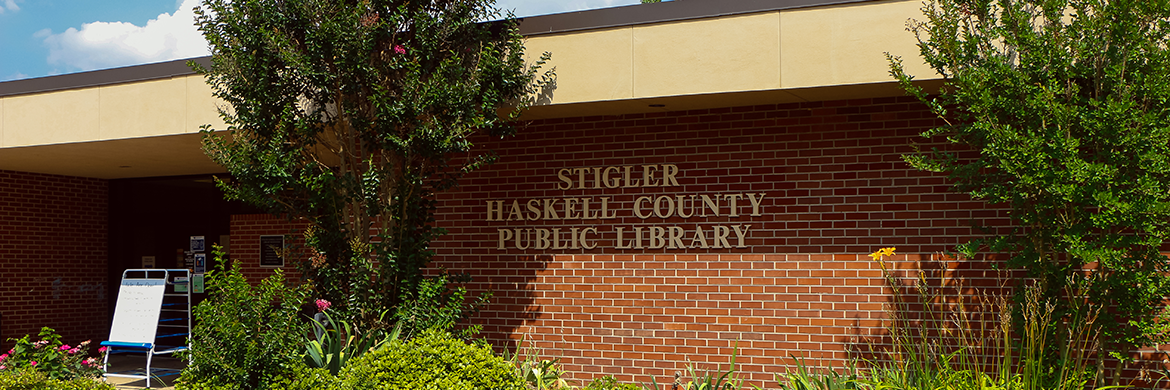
{"x":351,"y":114}
{"x":1066,"y":106}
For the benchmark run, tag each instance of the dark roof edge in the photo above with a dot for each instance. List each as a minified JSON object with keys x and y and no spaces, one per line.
{"x":128,"y":74}
{"x":660,"y":12}
{"x":529,"y":26}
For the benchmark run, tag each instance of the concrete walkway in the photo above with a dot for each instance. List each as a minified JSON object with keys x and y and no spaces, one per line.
{"x":137,"y":363}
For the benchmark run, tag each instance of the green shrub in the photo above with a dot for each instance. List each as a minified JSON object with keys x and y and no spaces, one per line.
{"x":435,"y":360}
{"x":608,"y":382}
{"x":804,"y":377}
{"x":30,"y":379}
{"x":246,"y":337}
{"x":51,"y":357}
{"x":300,"y":377}
{"x":308,"y":378}
{"x":538,"y":373}
{"x":439,"y":303}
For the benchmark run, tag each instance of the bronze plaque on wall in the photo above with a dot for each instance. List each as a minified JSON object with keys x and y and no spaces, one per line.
{"x":271,"y":251}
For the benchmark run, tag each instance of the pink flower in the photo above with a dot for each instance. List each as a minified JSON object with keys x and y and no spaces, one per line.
{"x":323,"y":304}
{"x":3,"y":366}
{"x":102,"y":349}
{"x":41,"y":343}
{"x":65,"y":347}
{"x":399,"y":49}
{"x":33,"y":363}
{"x":92,"y":362}
{"x":74,"y":351}
{"x":2,"y":357}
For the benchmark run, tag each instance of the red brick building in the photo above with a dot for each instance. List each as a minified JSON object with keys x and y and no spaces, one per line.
{"x":706,"y":176}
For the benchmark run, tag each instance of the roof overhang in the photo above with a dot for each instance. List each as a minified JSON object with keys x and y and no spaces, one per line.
{"x":143,"y":121}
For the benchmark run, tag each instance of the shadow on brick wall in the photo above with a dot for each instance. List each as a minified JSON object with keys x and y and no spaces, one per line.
{"x":960,"y":311}
{"x":939,"y":308}
{"x":514,"y":302}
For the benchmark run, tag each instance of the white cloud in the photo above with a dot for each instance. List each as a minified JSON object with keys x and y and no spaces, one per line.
{"x":100,"y":45}
{"x":14,"y":76}
{"x":8,"y":5}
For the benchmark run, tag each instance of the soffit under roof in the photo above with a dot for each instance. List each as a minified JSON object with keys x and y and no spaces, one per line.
{"x":174,"y":155}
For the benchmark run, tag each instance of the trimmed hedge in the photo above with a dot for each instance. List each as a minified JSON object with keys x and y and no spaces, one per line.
{"x":435,"y":360}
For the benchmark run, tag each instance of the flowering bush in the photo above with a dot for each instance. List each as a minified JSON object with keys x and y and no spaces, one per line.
{"x":334,"y":342}
{"x":56,"y":360}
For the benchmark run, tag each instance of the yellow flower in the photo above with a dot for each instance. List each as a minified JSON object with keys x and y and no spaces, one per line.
{"x":882,"y":253}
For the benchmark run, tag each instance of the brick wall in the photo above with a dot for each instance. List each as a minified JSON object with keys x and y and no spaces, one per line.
{"x":831,"y":187}
{"x":53,"y":256}
{"x":245,"y":243}
{"x":821,"y":185}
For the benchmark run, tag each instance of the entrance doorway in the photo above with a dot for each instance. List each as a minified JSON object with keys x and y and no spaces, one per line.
{"x":156,"y":217}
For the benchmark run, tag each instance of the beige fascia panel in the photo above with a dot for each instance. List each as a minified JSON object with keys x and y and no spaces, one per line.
{"x":800,"y":49}
{"x":150,"y":108}
{"x":143,"y":109}
{"x":590,"y":66}
{"x":202,"y":107}
{"x":734,"y":53}
{"x":728,"y":99}
{"x":52,"y":118}
{"x":846,"y":44}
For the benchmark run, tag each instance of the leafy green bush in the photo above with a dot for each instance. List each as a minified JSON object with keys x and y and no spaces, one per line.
{"x":308,"y":378}
{"x":435,"y":360}
{"x":246,"y":337}
{"x":297,"y":377}
{"x":1055,"y":111}
{"x":608,"y":382}
{"x":51,"y":357}
{"x":27,"y":378}
{"x":439,"y":303}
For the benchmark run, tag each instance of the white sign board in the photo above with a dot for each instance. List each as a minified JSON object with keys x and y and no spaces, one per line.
{"x":136,"y":316}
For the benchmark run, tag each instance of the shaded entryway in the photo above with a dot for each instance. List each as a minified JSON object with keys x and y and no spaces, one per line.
{"x":157,"y":217}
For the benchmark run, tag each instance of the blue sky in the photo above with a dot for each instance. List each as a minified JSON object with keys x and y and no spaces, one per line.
{"x":48,"y":37}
